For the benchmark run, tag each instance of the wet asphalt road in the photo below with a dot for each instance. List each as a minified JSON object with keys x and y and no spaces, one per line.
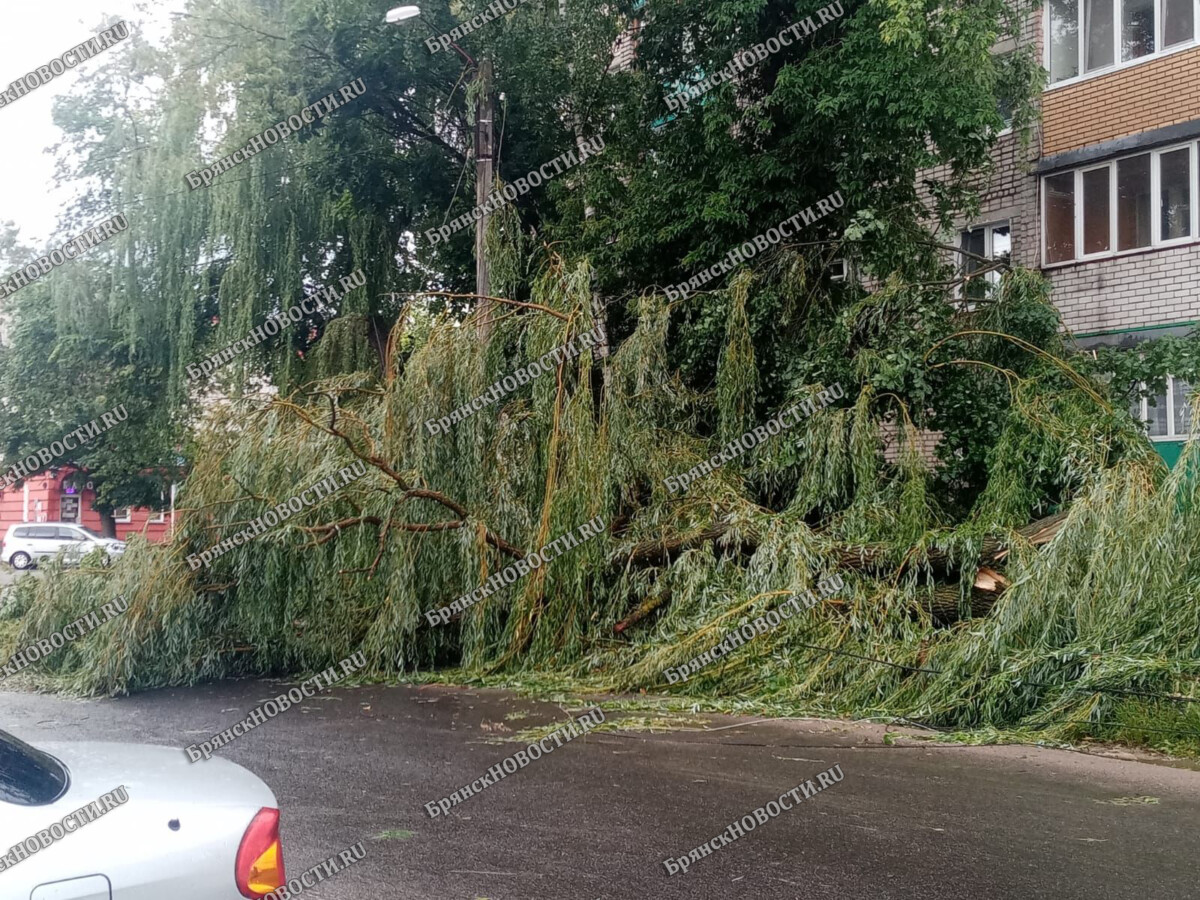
{"x":595,"y":818}
{"x":9,"y":575}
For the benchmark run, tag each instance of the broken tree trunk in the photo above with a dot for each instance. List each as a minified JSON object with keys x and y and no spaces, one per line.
{"x":859,"y":558}
{"x":942,"y":600}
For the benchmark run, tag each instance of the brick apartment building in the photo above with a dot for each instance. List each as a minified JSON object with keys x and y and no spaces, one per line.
{"x":1103,"y":200}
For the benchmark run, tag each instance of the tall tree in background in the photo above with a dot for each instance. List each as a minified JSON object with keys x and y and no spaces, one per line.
{"x":868,"y":98}
{"x":862,"y":103}
{"x":56,"y":377}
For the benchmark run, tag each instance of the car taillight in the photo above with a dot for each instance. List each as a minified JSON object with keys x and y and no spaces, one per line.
{"x":259,"y":868}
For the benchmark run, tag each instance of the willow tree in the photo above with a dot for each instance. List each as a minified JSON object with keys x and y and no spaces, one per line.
{"x":865,"y":104}
{"x":58,"y":374}
{"x":348,"y":192}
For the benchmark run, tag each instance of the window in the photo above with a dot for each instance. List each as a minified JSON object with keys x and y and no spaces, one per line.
{"x":1137,"y":29}
{"x":29,"y":777}
{"x":990,"y":242}
{"x":1175,"y":182}
{"x":68,"y":509}
{"x":70,"y":534}
{"x":1010,"y":87}
{"x":1086,"y":36}
{"x":1096,"y":218}
{"x":1181,"y":407}
{"x":1098,"y":29}
{"x":1063,"y":40}
{"x":21,"y":533}
{"x":1179,"y":18}
{"x":1129,"y":204}
{"x":43,"y":533}
{"x":1133,"y":202}
{"x":157,"y":518}
{"x":122,"y":514}
{"x":1168,"y":415}
{"x":1004,"y":108}
{"x":1060,"y":217}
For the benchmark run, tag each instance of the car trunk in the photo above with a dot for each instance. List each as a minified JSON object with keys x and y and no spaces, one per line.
{"x":176,"y":836}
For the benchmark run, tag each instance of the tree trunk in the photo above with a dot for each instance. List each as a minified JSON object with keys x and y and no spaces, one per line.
{"x":378,"y":331}
{"x":662,"y":552}
{"x":599,"y":314}
{"x":108,"y":525}
{"x":942,"y":603}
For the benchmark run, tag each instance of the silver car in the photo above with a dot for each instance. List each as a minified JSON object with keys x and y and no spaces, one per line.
{"x":25,"y":544}
{"x":182,"y":831}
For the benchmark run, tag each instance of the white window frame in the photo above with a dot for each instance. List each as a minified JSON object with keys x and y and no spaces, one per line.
{"x":1008,"y":129}
{"x":1117,"y":65}
{"x":989,"y":228}
{"x":157,"y":518}
{"x":1170,"y":410}
{"x":123,"y":520}
{"x":1111,"y":166}
{"x":1156,"y":198}
{"x":1156,"y":241}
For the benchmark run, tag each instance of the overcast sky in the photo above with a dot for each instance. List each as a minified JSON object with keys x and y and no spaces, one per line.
{"x":31,"y":36}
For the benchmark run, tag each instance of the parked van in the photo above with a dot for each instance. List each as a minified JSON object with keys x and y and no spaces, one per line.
{"x":25,"y":544}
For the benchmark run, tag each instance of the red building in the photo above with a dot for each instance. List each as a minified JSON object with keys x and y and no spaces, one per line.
{"x":51,"y":497}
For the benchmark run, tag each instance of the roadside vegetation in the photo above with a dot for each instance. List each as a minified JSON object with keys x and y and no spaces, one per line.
{"x":1037,"y":571}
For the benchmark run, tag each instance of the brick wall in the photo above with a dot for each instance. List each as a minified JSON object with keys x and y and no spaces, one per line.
{"x":1009,"y":190}
{"x":893,"y":444}
{"x":1142,"y":97}
{"x":1160,"y":287}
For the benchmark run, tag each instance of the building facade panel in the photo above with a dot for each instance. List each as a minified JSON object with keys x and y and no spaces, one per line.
{"x":1159,"y":287}
{"x":1152,"y":94}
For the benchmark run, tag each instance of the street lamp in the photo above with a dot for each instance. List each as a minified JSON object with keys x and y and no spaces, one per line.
{"x":484,"y":171}
{"x":400,"y":13}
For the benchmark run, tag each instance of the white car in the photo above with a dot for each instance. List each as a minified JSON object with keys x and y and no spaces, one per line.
{"x":25,"y":544}
{"x":97,"y":821}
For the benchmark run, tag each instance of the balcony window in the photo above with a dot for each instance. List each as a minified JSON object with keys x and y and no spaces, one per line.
{"x":1137,"y":29}
{"x":1064,"y":39}
{"x":1179,"y":22}
{"x":1129,"y":204}
{"x":1060,"y":217}
{"x":1175,"y":184}
{"x":1133,"y":202}
{"x":1087,"y":36}
{"x":1096,"y":210}
{"x":1098,"y":29}
{"x":1181,"y":407}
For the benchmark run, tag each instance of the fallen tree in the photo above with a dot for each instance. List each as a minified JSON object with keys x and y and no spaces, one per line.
{"x":943,"y":617}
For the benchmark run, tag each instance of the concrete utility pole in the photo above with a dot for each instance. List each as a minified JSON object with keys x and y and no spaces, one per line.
{"x":484,"y":175}
{"x":484,"y":165}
